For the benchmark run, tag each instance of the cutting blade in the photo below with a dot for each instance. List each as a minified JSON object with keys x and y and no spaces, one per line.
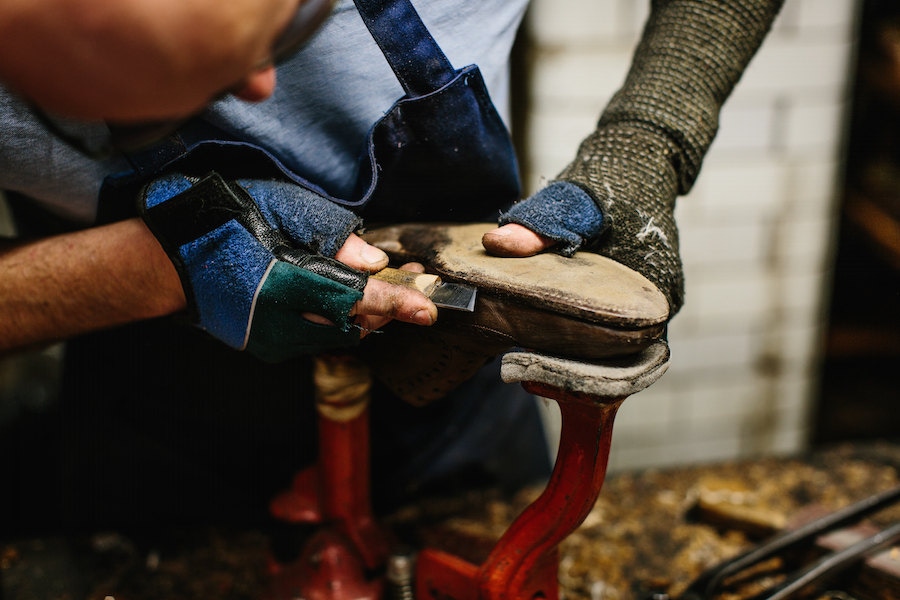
{"x":455,"y":296}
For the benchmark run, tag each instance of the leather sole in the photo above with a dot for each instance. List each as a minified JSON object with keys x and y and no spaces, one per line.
{"x":517,"y":295}
{"x":586,"y":308}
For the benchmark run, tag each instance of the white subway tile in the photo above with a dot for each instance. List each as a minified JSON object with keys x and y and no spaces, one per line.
{"x":705,"y":451}
{"x":632,"y":16}
{"x":651,"y":409}
{"x":726,"y":243}
{"x":551,"y":418}
{"x":812,"y":183}
{"x":572,"y":124}
{"x":787,"y":443}
{"x":803,"y":291}
{"x":795,"y":392}
{"x":805,"y":240}
{"x":789,"y":63}
{"x":628,"y":458}
{"x":554,"y":140}
{"x":711,"y":352}
{"x":739,"y":296}
{"x":796,"y":344}
{"x":728,"y":427}
{"x":786,"y":24}
{"x":750,"y":323}
{"x":833,"y":18}
{"x":721,"y":400}
{"x":682,"y":325}
{"x":789,"y":421}
{"x":578,"y":75}
{"x":813,"y":129}
{"x":573,"y":22}
{"x":737,"y":190}
{"x":746,"y":126}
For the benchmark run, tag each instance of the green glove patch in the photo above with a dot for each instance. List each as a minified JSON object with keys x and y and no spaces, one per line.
{"x":279,"y":330}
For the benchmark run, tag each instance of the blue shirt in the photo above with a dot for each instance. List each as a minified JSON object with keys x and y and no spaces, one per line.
{"x":328,"y":97}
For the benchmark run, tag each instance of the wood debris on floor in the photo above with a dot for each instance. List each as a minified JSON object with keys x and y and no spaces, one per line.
{"x":650,"y":530}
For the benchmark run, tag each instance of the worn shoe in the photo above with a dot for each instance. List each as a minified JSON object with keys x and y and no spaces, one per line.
{"x":586,"y":307}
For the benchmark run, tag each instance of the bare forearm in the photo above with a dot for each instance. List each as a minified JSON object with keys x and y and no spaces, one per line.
{"x":54,"y":288}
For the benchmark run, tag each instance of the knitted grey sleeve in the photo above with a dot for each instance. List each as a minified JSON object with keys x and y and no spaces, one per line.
{"x":653,"y":135}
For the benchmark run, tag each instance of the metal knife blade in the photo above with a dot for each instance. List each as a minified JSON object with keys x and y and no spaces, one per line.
{"x":456,"y":296}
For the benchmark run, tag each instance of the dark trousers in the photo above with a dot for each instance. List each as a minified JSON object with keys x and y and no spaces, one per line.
{"x":157,"y":424}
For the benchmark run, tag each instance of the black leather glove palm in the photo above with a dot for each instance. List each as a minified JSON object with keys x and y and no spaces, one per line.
{"x":247,"y":280}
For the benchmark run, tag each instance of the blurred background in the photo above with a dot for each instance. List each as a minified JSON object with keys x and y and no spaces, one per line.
{"x":791,"y":237}
{"x":790,"y":334}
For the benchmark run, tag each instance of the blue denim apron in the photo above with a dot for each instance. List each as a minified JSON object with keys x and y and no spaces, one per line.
{"x":441,"y":152}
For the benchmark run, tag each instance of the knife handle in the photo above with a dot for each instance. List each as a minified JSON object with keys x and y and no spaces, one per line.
{"x":423,"y":282}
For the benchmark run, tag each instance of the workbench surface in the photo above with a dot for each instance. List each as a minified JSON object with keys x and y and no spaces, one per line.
{"x":655,"y":529}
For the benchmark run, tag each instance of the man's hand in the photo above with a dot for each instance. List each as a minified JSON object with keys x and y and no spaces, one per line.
{"x":63,"y":286}
{"x":381,"y":301}
{"x":255,"y":259}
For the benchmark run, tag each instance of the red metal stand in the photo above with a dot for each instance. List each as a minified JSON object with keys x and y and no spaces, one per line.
{"x":342,"y":560}
{"x":339,"y":561}
{"x":524,"y":563}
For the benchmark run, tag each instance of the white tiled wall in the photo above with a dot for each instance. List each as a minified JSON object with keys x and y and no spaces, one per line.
{"x":757,"y":229}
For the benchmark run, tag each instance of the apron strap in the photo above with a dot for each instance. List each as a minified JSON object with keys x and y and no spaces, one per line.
{"x":418,"y":62}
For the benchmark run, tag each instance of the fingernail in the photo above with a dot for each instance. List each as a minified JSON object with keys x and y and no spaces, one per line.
{"x":372,"y":255}
{"x":422,"y":317}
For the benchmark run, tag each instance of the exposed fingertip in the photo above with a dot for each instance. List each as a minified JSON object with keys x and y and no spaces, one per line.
{"x":500,"y":231}
{"x":497,"y":243}
{"x":414,"y":267}
{"x":424,"y":317}
{"x":372,"y":256}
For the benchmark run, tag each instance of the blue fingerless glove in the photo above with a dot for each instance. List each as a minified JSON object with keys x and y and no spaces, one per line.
{"x":242,"y":250}
{"x":563,"y":212}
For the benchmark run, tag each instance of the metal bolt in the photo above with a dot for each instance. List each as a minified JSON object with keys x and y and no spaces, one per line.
{"x":401,"y":568}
